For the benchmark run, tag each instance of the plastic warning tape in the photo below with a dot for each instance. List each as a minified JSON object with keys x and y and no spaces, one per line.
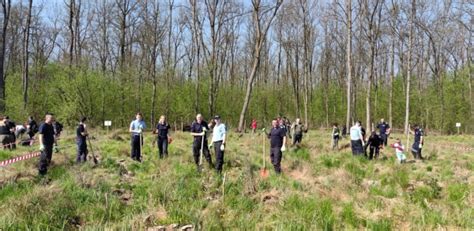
{"x":19,"y":158}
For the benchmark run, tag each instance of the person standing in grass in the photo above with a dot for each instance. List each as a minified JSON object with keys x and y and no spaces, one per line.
{"x":254,"y":125}
{"x":374,"y":142}
{"x":418,"y":142}
{"x":399,"y":149}
{"x":46,"y":140}
{"x":81,"y":140}
{"x":31,"y":127}
{"x":198,"y":130}
{"x":136,"y":129}
{"x":297,"y":129}
{"x":335,"y":136}
{"x":4,"y":132}
{"x":357,"y":139}
{"x":218,"y":141}
{"x":162,"y":131}
{"x":384,"y":131}
{"x":277,"y":138}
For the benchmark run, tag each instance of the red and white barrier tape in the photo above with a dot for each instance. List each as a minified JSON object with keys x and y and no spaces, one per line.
{"x":19,"y":158}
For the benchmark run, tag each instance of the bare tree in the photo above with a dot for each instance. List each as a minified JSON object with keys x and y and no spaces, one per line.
{"x":349,"y":61}
{"x":372,"y":17}
{"x":6,"y":7}
{"x":262,"y":19}
{"x":26,"y":54}
{"x":409,"y":66}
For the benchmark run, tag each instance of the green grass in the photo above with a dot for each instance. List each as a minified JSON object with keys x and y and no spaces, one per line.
{"x":319,"y":189}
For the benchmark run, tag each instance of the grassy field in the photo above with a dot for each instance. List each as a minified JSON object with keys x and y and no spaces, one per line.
{"x":319,"y":189}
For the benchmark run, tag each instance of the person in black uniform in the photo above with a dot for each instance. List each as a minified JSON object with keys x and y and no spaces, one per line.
{"x":374,"y":144}
{"x":384,"y":131}
{"x":162,"y":130}
{"x":58,"y":128}
{"x":4,"y":133}
{"x":81,"y":140}
{"x":32,"y":127}
{"x":277,"y":138}
{"x":198,"y":130}
{"x":46,"y":140}
{"x":418,"y":142}
{"x":12,"y":138}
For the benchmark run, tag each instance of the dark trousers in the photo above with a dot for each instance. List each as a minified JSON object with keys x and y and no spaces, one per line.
{"x":197,"y":149}
{"x":416,"y":151}
{"x":357,"y":148}
{"x":384,"y":138}
{"x":373,"y":152}
{"x":297,"y":138}
{"x":219,"y":156}
{"x":81,"y":150}
{"x":136,"y":148}
{"x":12,"y":141}
{"x":45,"y":159}
{"x":162,"y":146}
{"x":335,"y":142}
{"x":275,"y":157}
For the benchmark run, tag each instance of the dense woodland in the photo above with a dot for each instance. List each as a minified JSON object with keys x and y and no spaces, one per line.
{"x":408,"y":61}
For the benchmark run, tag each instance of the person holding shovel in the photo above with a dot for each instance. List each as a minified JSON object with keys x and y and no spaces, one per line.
{"x":81,"y":140}
{"x":277,"y":138}
{"x":198,"y":130}
{"x":218,"y":141}
{"x":418,"y":142}
{"x":136,"y":129}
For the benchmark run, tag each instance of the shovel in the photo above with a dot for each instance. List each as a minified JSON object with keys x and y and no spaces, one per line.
{"x":92,"y":151}
{"x":263,"y":171}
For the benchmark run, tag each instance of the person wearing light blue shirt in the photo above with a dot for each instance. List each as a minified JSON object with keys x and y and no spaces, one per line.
{"x":136,"y":129}
{"x":357,"y":139}
{"x":218,"y":141}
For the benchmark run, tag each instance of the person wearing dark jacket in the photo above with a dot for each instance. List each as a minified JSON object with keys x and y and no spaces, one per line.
{"x":374,"y":144}
{"x":199,"y":129}
{"x":162,"y":130}
{"x":31,"y":127}
{"x":81,"y":140}
{"x":46,"y":140}
{"x":277,"y":138}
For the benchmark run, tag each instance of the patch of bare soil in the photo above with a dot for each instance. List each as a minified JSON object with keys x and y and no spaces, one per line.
{"x":271,"y":197}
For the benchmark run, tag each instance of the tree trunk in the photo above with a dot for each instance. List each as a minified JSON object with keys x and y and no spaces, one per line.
{"x":6,"y":5}
{"x":410,"y":46}
{"x":349,"y":62}
{"x":390,"y":88}
{"x":26,"y":55}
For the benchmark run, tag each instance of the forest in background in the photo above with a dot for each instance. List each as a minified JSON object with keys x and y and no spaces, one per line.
{"x":407,"y":61}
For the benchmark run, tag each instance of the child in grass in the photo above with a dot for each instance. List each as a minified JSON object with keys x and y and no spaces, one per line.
{"x":399,"y":148}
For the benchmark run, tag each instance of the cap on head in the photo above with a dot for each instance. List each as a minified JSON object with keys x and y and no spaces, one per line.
{"x":217,"y":117}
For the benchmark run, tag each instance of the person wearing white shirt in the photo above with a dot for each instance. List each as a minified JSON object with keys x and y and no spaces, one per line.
{"x":136,"y":129}
{"x":218,"y":141}
{"x":357,"y":140}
